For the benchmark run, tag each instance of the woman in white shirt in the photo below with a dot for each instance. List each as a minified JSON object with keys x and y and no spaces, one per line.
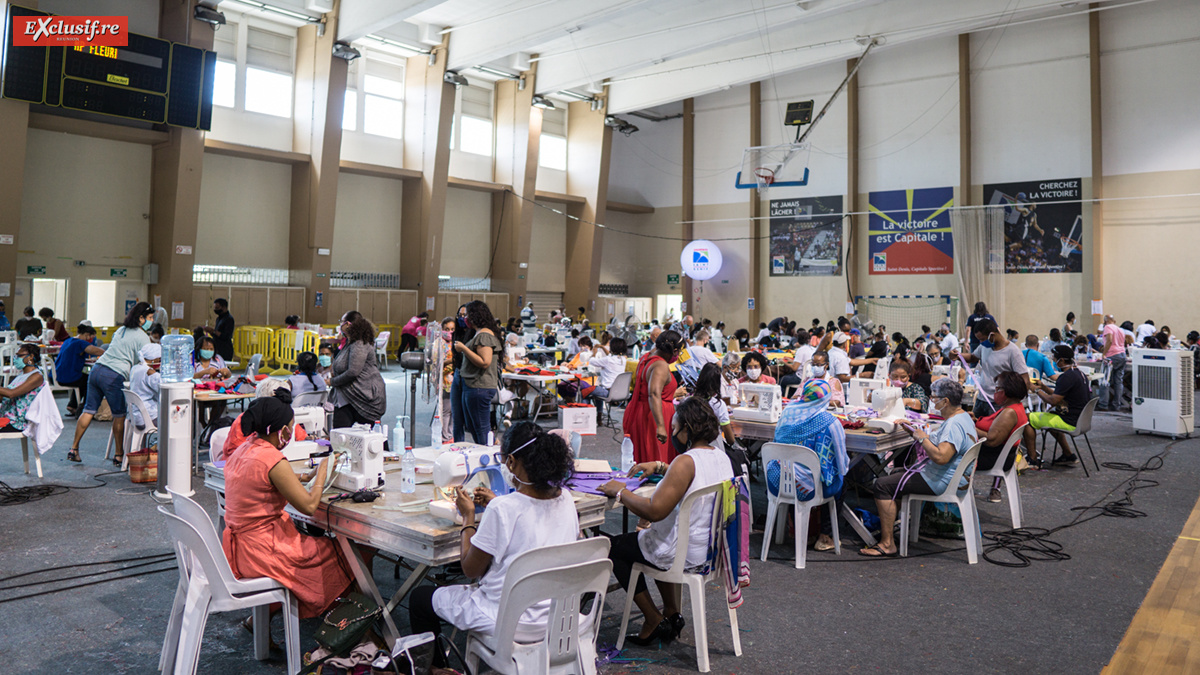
{"x":514,"y":352}
{"x":608,"y":366}
{"x":698,"y":465}
{"x":539,"y":513}
{"x":145,"y":381}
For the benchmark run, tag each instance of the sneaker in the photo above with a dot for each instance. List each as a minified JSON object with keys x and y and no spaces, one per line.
{"x":1066,"y":460}
{"x":994,"y":496}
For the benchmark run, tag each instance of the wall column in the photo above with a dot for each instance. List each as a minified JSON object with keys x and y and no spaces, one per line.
{"x":14,"y":135}
{"x":320,"y":88}
{"x":589,"y":150}
{"x":756,"y":211}
{"x":1093,"y":268}
{"x":852,"y":265}
{"x":689,"y":197}
{"x":175,"y":183}
{"x":964,"y":120}
{"x":429,"y":111}
{"x":518,"y":139}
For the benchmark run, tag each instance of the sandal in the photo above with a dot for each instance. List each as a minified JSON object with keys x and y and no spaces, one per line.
{"x":73,"y":455}
{"x":879,"y":552}
{"x":118,"y":458}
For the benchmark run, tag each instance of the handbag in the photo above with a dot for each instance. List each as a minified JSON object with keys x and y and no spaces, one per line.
{"x":344,"y":626}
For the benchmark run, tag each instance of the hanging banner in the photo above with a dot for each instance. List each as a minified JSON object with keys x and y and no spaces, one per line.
{"x":1040,"y":237}
{"x":806,"y":237}
{"x":909,"y":231}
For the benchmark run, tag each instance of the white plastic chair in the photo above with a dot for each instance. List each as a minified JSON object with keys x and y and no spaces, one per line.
{"x":310,"y":398}
{"x":216,"y":441}
{"x":12,"y":434}
{"x":695,"y":584}
{"x":1009,"y":477}
{"x":1082,"y":426}
{"x":567,"y":645}
{"x":381,"y":343}
{"x":911,"y":505}
{"x":134,"y":436}
{"x":788,"y":456}
{"x":207,"y":585}
{"x":621,"y":390}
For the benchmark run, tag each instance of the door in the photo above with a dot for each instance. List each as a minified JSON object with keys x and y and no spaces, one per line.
{"x":50,"y":293}
{"x":668,"y":308}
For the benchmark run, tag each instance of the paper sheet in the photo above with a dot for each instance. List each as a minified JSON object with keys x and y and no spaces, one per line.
{"x":176,"y":311}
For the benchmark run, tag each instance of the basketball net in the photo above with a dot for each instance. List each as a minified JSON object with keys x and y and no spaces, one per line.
{"x":763,"y":177}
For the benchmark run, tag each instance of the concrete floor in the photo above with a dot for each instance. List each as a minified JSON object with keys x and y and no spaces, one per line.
{"x":930,"y":614}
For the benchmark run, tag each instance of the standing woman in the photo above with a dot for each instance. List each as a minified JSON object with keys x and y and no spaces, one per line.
{"x":651,"y":405}
{"x":482,"y":358}
{"x":358,"y":394}
{"x":109,"y":375}
{"x":462,"y":333}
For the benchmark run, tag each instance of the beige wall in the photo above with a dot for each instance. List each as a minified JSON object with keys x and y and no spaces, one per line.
{"x":548,"y":250}
{"x":245,"y":211}
{"x":366,"y":227}
{"x":468,"y":228}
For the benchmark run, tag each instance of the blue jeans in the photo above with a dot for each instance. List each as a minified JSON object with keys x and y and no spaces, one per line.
{"x":456,"y":407}
{"x":104,"y":383}
{"x":1111,"y":395}
{"x":477,"y":412}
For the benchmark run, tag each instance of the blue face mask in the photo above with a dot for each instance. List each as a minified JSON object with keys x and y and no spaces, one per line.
{"x":147,"y":325}
{"x":324,"y":360}
{"x":987,"y":343}
{"x":206,"y":354}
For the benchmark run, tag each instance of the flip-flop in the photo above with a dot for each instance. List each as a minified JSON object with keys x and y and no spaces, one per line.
{"x":73,"y":455}
{"x":881,"y":554}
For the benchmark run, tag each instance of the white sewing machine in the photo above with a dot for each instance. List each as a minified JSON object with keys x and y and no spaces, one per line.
{"x":761,"y":403}
{"x":457,"y":466}
{"x":888,"y":404}
{"x":365,"y":450}
{"x":298,"y":450}
{"x":859,"y":390}
{"x":313,"y":419}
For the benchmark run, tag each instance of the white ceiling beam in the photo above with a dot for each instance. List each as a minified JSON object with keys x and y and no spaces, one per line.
{"x":525,"y":25}
{"x":811,"y":44}
{"x":358,"y":18}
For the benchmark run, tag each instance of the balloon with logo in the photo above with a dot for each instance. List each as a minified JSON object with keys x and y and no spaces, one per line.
{"x":700,"y":260}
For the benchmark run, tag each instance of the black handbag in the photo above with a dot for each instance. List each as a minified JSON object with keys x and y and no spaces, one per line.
{"x":345,"y":625}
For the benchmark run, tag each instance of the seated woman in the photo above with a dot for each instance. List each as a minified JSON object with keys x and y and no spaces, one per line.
{"x":820,"y":371}
{"x":260,"y":539}
{"x":708,"y":388}
{"x":944,"y":449}
{"x":697,"y":465}
{"x":914,"y":395}
{"x":145,"y":381}
{"x":306,"y":378}
{"x":325,"y":361}
{"x":513,"y":349}
{"x":540,"y":513}
{"x":16,"y":398}
{"x":754,"y":365}
{"x":1068,"y":397}
{"x":271,"y":387}
{"x":56,"y":325}
{"x":877,"y":351}
{"x":806,"y":421}
{"x":998,"y":427}
{"x":208,"y":366}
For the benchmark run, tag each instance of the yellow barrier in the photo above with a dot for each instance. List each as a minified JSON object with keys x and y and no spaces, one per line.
{"x":285,"y":350}
{"x":393,"y":344}
{"x":105,"y":333}
{"x":251,"y":340}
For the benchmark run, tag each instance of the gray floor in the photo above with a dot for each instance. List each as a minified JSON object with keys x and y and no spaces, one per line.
{"x":932,"y":614}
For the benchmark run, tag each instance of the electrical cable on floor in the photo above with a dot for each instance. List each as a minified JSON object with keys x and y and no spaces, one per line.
{"x":142,"y":561}
{"x":10,"y":496}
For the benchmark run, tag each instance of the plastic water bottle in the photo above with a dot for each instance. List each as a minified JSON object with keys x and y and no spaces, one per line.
{"x":377,"y":428}
{"x":626,"y":454}
{"x":408,"y":472}
{"x":177,"y":358}
{"x":398,"y":442}
{"x":435,"y":432}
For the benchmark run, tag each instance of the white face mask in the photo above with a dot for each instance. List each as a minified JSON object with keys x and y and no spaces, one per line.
{"x":818,"y":371}
{"x":510,"y":479}
{"x":753,"y":373}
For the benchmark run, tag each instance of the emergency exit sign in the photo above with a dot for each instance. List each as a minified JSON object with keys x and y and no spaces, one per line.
{"x":117,"y":271}
{"x":35,"y":269}
{"x":672,"y":279}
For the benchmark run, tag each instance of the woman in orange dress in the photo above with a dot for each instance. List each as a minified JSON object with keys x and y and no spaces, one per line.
{"x":651,"y":405}
{"x":260,"y":539}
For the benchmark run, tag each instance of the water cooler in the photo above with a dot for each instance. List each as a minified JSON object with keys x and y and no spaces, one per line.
{"x":175,"y":417}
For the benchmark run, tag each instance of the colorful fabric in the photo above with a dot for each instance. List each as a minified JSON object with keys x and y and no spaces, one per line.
{"x":807,"y":422}
{"x":591,"y":482}
{"x":729,"y":547}
{"x":16,"y":409}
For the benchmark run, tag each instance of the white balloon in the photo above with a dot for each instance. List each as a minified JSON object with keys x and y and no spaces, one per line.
{"x":700,"y":260}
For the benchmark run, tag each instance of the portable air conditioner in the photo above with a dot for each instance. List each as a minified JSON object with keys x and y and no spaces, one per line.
{"x":1162,"y":391}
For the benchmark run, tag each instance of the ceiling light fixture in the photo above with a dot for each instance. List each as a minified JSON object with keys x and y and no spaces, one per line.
{"x":279,"y":10}
{"x":208,"y":15}
{"x":542,"y":102}
{"x":345,"y":51}
{"x":455,"y":79}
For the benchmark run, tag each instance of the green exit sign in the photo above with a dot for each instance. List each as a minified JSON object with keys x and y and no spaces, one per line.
{"x":672,"y":279}
{"x":35,"y":269}
{"x":117,"y":272}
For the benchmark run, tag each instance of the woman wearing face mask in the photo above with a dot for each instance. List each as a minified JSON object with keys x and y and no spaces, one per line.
{"x":997,"y":427}
{"x":357,"y":391}
{"x":16,"y":398}
{"x":483,"y":359}
{"x":754,"y":365}
{"x":697,"y":465}
{"x":462,"y":333}
{"x":109,"y":374}
{"x":944,"y":449}
{"x":259,"y":538}
{"x":445,"y":351}
{"x":651,"y":402}
{"x":306,"y":380}
{"x":325,"y":361}
{"x":914,"y":396}
{"x":819,"y":368}
{"x":1069,"y":396}
{"x":539,"y":513}
{"x":208,"y":366}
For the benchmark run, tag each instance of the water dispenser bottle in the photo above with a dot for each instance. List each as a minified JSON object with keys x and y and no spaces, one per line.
{"x":177,"y":358}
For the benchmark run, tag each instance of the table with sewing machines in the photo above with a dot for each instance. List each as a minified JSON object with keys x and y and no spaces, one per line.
{"x":539,"y":384}
{"x":398,"y":523}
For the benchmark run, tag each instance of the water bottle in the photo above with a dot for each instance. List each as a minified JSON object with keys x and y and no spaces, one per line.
{"x":408,"y":472}
{"x":377,"y":428}
{"x":398,"y":442}
{"x":435,"y":432}
{"x":626,"y":454}
{"x":177,"y":358}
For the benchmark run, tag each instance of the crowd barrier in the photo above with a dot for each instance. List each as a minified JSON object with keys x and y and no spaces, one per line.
{"x":251,"y":340}
{"x":288,"y":344}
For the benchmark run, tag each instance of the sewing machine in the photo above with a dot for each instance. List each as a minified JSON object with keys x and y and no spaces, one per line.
{"x":313,"y":419}
{"x":859,"y":391}
{"x":762,"y":403}
{"x":888,"y":404}
{"x":457,"y":466}
{"x":365,"y":450}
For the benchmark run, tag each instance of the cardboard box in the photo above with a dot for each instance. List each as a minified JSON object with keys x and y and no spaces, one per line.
{"x":578,"y":418}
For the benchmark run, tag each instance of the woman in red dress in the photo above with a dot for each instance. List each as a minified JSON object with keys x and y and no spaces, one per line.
{"x":651,"y":406}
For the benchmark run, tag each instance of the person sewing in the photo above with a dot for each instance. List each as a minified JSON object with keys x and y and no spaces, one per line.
{"x":696,"y":465}
{"x":539,"y":513}
{"x":325,"y":361}
{"x":806,"y":421}
{"x":18,"y":396}
{"x":607,"y":367}
{"x":68,"y":366}
{"x":260,"y":539}
{"x":754,"y":365}
{"x":943,"y":450}
{"x":514,"y":351}
{"x":28,"y":327}
{"x":708,"y":388}
{"x":995,"y":429}
{"x":914,"y":396}
{"x":208,"y":366}
{"x":306,"y":379}
{"x":820,"y":371}
{"x":145,"y":381}
{"x":56,"y":325}
{"x":1071,"y":392}
{"x":267,"y":388}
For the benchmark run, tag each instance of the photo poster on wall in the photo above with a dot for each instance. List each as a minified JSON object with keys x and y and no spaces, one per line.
{"x":806,"y":237}
{"x":909,"y":231}
{"x":1041,"y":235}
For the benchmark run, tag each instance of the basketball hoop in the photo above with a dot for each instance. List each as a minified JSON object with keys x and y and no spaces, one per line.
{"x":772,"y":166}
{"x":763,"y":177}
